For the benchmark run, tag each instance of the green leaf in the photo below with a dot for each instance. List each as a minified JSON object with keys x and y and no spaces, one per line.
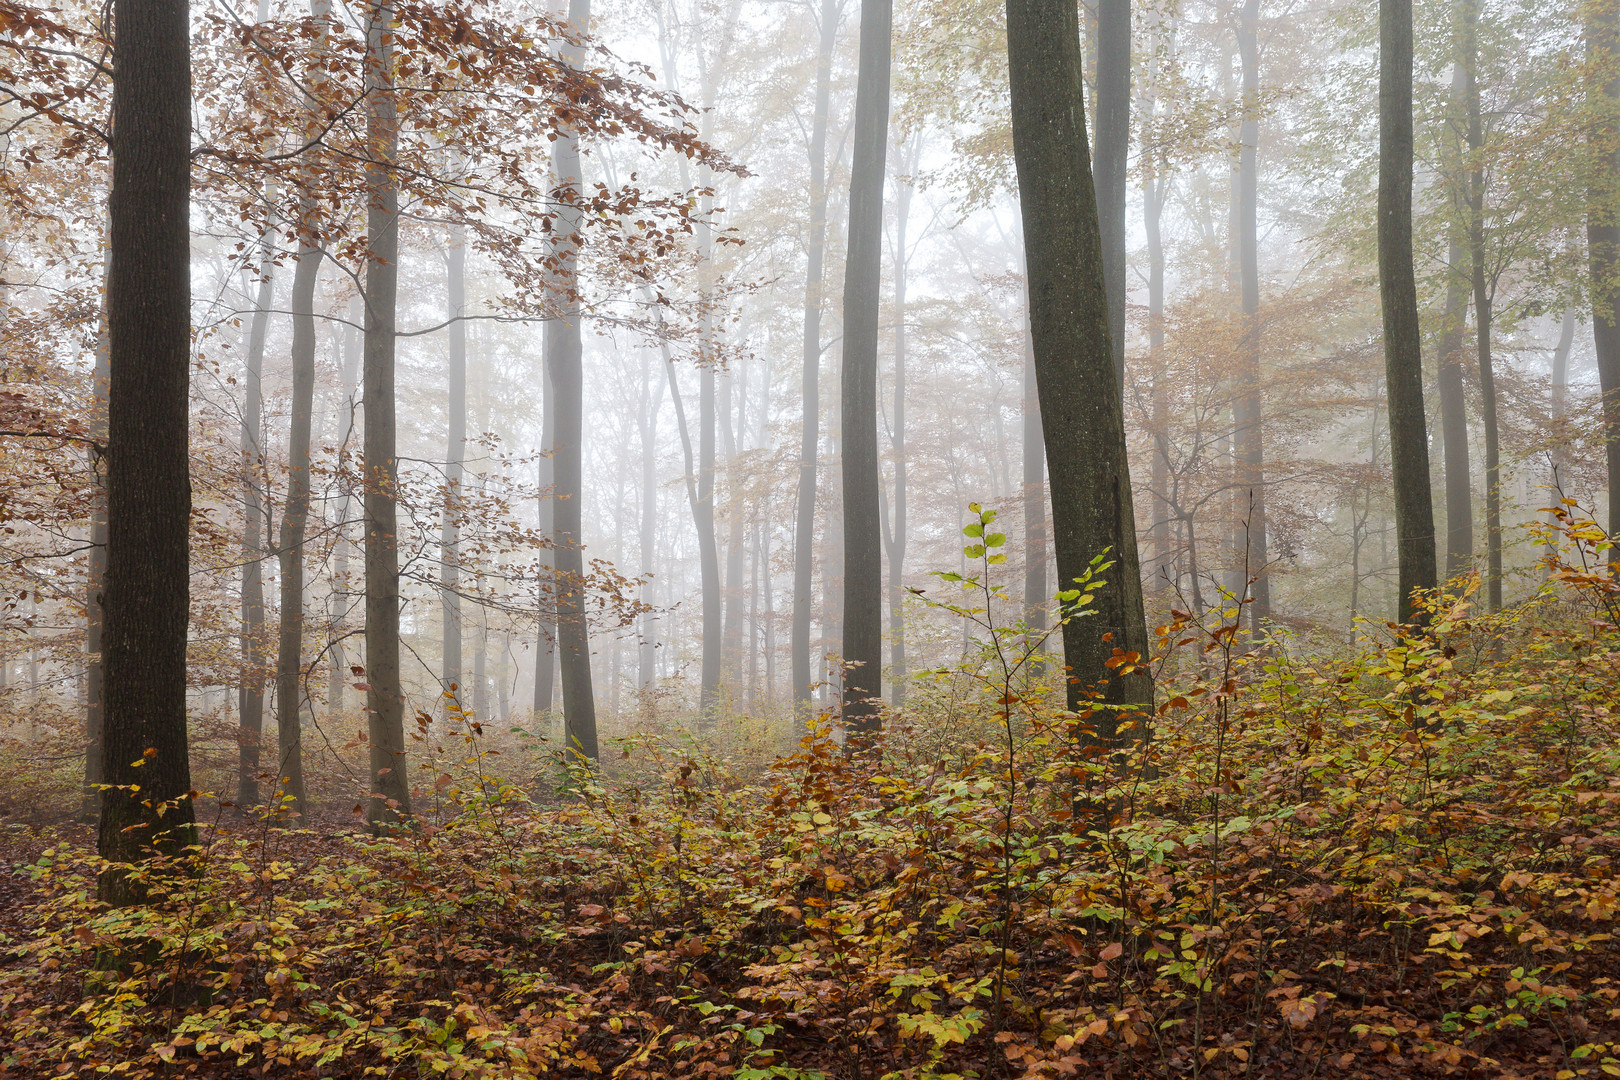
{"x":974,"y":551}
{"x":974,"y":529}
{"x":995,"y":540}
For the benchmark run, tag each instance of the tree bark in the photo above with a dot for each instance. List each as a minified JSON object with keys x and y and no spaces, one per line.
{"x":653,"y":399}
{"x":390,"y":799}
{"x":1602,"y":19}
{"x":148,"y":808}
{"x":295,"y":517}
{"x":1483,"y":289}
{"x":1403,"y":351}
{"x":898,"y":675}
{"x":250,"y":703}
{"x":95,"y":582}
{"x":1454,"y":417}
{"x":1113,"y":136}
{"x":545,"y":644}
{"x":1037,"y":591}
{"x":455,"y":455}
{"x":565,"y":361}
{"x":810,"y":436}
{"x":863,"y":283}
{"x":1081,"y":409}
{"x":1249,"y":408}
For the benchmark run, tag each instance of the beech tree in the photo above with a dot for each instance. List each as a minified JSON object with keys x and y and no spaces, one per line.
{"x":1081,"y":410}
{"x":146,"y":807}
{"x":1403,"y":355}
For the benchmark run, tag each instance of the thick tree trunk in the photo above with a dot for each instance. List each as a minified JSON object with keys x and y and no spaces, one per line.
{"x":1603,"y":224}
{"x":455,"y":456}
{"x":1113,"y":136}
{"x":148,"y":808}
{"x":1079,"y":390}
{"x":390,"y":799}
{"x":1249,"y":407}
{"x":566,"y":365}
{"x":863,"y":284}
{"x":805,"y":517}
{"x":1403,"y":351}
{"x":1483,"y":289}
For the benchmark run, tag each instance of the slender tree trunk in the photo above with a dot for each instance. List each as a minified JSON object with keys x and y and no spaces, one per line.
{"x":455,"y":456}
{"x":1250,"y":406}
{"x":148,"y":808}
{"x":480,"y":689}
{"x":863,"y":283}
{"x":1113,"y":135}
{"x":1482,"y":304}
{"x":385,"y":697}
{"x":94,"y":584}
{"x":1037,"y":592}
{"x":545,"y":652}
{"x":1152,"y":212}
{"x":708,"y":544}
{"x":566,"y":364}
{"x":805,"y":517}
{"x":1403,"y":352}
{"x":250,"y":705}
{"x":294,"y":518}
{"x":732,"y":427}
{"x":339,"y":674}
{"x":1079,"y":390}
{"x":898,"y":676}
{"x":653,"y":398}
{"x":1454,"y":417}
{"x":1602,"y":18}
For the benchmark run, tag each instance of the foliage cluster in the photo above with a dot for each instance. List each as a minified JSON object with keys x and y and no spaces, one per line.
{"x":1396,"y":862}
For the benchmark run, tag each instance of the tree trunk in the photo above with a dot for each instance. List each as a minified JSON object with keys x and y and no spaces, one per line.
{"x":1483,"y":288}
{"x":653,"y":398}
{"x":95,"y":581}
{"x":339,"y":674}
{"x":1113,"y":135}
{"x":1153,"y":190}
{"x":1403,"y":352}
{"x":1081,"y":409}
{"x":863,"y":283}
{"x":732,"y":414}
{"x":385,"y":697}
{"x":545,"y":643}
{"x":805,"y":516}
{"x":294,"y":519}
{"x":1454,"y":417}
{"x":1037,"y":592}
{"x":1603,"y":225}
{"x":897,"y":531}
{"x":148,"y":808}
{"x":566,"y":365}
{"x":250,"y":705}
{"x":455,"y":456}
{"x":1249,"y":407}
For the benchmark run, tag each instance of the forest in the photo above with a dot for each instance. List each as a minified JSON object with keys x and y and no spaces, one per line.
{"x":809,"y":539}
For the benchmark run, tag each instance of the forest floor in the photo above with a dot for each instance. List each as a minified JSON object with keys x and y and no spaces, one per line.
{"x":1400,"y":862}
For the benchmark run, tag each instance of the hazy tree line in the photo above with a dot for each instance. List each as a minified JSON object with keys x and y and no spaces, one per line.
{"x":368,"y":400}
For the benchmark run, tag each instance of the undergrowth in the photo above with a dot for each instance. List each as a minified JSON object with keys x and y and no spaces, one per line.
{"x":1399,"y":862}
